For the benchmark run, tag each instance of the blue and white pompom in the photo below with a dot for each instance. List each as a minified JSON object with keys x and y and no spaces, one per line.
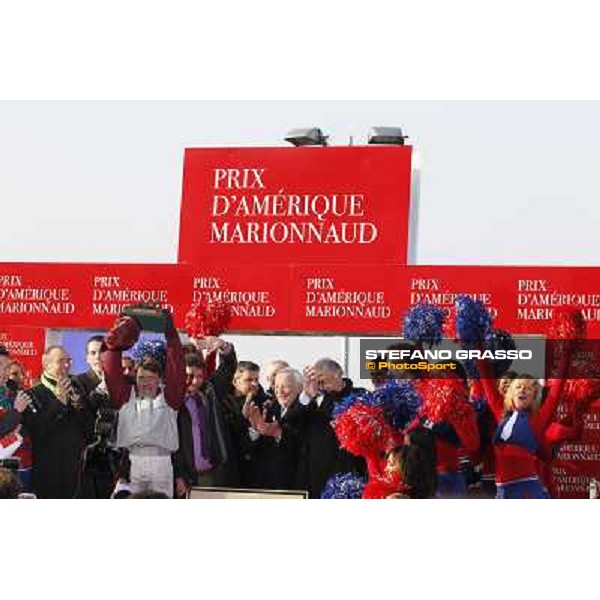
{"x":344,"y":486}
{"x":424,"y":323}
{"x":400,"y":402}
{"x":473,"y":321}
{"x":155,"y":349}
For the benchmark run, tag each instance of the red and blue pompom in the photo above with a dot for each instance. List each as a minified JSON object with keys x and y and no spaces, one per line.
{"x":344,"y":486}
{"x":400,"y":402}
{"x":473,"y":321}
{"x":442,"y":399}
{"x":364,"y":431}
{"x":424,"y":323}
{"x":348,"y":401}
{"x":445,"y":401}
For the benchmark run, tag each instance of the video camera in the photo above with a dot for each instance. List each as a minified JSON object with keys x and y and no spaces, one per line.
{"x":12,"y":464}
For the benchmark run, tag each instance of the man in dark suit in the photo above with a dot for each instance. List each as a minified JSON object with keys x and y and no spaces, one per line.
{"x":206,"y":455}
{"x":94,"y":388}
{"x":321,"y":456}
{"x":245,"y":392}
{"x":90,"y":380}
{"x":58,"y":427}
{"x":281,"y":427}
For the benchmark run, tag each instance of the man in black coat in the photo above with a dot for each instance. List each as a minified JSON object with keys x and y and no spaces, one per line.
{"x":90,"y":380}
{"x":94,"y":388}
{"x":206,"y":455}
{"x":244,"y":393}
{"x":321,"y":455}
{"x":58,"y":427}
{"x":281,"y":429}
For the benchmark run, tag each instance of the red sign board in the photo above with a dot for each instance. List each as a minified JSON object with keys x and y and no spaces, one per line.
{"x":578,"y":463}
{"x":521,"y":299}
{"x":84,"y":295}
{"x":347,"y":298}
{"x":26,"y":345}
{"x":259,"y":297}
{"x":295,"y":205}
{"x":333,"y":298}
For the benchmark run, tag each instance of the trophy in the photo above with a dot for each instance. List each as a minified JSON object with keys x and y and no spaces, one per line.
{"x":150,"y":317}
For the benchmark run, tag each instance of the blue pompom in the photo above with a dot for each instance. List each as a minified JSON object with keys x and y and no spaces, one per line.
{"x":497,"y":339}
{"x":471,"y":368}
{"x":400,"y":402}
{"x":473,"y":321}
{"x":155,"y":349}
{"x":424,"y":323}
{"x":344,"y":486}
{"x":346,"y":402}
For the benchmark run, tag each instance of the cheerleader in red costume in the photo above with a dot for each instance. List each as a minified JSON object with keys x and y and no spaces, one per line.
{"x":519,"y":438}
{"x":447,"y":412}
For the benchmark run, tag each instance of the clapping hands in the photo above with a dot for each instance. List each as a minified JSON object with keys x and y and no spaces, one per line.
{"x":258,"y":421}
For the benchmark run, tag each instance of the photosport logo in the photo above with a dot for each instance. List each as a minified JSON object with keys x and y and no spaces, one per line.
{"x":400,"y":358}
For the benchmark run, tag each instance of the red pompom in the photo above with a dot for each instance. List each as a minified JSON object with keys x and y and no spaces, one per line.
{"x":445,"y":401}
{"x":207,"y":318}
{"x":363,"y":430}
{"x":567,"y":324}
{"x":382,"y":487}
{"x":441,"y":398}
{"x":580,"y":392}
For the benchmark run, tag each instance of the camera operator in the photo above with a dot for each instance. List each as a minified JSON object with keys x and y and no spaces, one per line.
{"x":58,"y":427}
{"x":101,"y":461}
{"x":14,"y":439}
{"x":9,"y":484}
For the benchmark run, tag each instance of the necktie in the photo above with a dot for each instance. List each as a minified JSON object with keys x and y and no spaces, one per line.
{"x":509,"y":426}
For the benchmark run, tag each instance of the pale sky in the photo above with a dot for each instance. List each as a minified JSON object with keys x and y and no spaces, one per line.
{"x":501,"y":183}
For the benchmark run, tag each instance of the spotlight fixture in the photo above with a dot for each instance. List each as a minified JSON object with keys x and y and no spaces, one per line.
{"x":312,"y":136}
{"x":387,"y":135}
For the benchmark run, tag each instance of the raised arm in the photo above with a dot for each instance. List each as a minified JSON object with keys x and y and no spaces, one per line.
{"x":464,"y":422}
{"x":491,"y":392}
{"x":122,"y":336}
{"x":223,"y":376}
{"x":544,"y":416}
{"x":175,"y":368}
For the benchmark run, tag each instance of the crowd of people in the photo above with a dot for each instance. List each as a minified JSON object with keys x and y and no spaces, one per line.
{"x":162,"y":424}
{"x":155,"y":420}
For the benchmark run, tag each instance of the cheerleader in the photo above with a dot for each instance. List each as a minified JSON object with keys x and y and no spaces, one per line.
{"x":447,"y":412}
{"x":520,"y":433}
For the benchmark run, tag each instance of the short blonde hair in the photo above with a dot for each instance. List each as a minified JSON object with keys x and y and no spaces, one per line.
{"x":508,"y":405}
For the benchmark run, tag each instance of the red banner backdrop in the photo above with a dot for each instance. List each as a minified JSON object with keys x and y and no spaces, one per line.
{"x":246,"y":206}
{"x":576,"y":464}
{"x":26,"y":345}
{"x":348,"y":298}
{"x":522,"y":299}
{"x":259,"y":296}
{"x":84,"y":295}
{"x":358,"y":298}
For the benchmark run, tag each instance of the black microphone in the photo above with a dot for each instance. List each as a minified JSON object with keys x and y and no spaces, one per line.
{"x":13,"y":387}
